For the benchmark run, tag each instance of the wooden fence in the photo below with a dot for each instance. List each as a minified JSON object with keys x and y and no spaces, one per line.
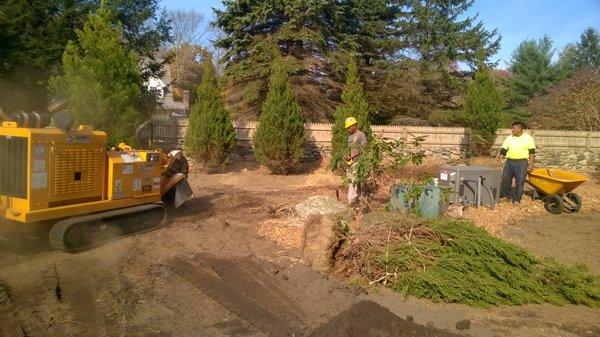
{"x":172,"y":131}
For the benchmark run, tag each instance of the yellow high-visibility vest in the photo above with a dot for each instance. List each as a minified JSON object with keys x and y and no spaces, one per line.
{"x":518,"y":148}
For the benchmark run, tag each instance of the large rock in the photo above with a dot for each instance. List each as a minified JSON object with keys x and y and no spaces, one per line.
{"x":322,"y":205}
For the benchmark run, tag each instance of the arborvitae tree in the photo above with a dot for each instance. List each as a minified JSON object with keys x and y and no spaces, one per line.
{"x":532,"y":69}
{"x":280,"y":136}
{"x":210,"y":137}
{"x":354,"y":104}
{"x":482,"y":108}
{"x":102,"y":79}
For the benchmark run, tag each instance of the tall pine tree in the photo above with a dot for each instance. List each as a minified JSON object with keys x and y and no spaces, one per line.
{"x":210,"y":136}
{"x":280,"y":136}
{"x":482,"y":109}
{"x":354,"y":104}
{"x":321,"y":36}
{"x":102,"y":79}
{"x":588,"y":48}
{"x":532,"y":69}
{"x":441,"y":33}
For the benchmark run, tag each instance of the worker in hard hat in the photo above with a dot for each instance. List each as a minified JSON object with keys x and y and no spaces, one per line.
{"x":356,"y":143}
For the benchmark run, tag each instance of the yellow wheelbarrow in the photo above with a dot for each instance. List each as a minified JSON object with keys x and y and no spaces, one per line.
{"x":555,"y":187}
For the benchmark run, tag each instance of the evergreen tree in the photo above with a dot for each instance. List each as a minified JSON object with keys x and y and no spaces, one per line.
{"x":145,"y":28}
{"x":280,"y":136}
{"x":374,"y":29}
{"x":441,"y":33}
{"x":588,"y":49}
{"x":354,"y":104}
{"x":322,"y":36}
{"x":585,"y":53}
{"x":210,"y":136}
{"x":102,"y":79}
{"x":482,"y":108}
{"x":532,"y":69}
{"x":34,"y":35}
{"x":568,"y":62}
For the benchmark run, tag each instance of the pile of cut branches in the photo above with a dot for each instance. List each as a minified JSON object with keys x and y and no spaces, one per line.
{"x":356,"y":257}
{"x":457,"y":262}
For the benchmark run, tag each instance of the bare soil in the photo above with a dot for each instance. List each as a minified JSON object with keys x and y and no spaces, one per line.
{"x":217,"y":270}
{"x":568,"y":238}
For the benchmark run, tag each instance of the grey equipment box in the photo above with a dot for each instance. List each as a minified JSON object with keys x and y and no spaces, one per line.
{"x":476,"y":185}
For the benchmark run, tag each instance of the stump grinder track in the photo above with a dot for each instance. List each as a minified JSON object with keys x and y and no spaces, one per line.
{"x":75,"y":234}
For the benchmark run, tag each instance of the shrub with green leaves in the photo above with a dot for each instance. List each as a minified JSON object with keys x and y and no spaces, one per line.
{"x":482,"y":111}
{"x":354,"y":104}
{"x":210,"y":137}
{"x":383,"y":155}
{"x":280,"y":137}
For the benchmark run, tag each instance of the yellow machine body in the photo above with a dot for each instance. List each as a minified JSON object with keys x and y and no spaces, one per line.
{"x":49,"y":174}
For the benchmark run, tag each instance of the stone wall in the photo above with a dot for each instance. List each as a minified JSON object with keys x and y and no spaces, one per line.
{"x":574,"y":150}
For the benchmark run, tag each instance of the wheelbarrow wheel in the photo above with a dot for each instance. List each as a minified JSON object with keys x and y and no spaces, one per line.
{"x":554,"y":204}
{"x":573,"y":202}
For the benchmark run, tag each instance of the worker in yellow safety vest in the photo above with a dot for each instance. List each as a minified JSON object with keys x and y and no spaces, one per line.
{"x":519,"y":150}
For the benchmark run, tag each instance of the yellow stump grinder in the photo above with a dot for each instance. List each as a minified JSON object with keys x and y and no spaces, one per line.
{"x":67,"y":178}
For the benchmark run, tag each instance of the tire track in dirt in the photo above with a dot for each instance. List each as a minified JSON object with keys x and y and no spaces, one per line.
{"x":246,"y":290}
{"x":37,"y":309}
{"x":9,"y":316}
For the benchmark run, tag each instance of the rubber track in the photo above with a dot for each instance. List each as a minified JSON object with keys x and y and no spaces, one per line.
{"x":60,"y":229}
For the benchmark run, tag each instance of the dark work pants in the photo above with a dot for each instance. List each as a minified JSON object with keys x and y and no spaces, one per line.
{"x":514,"y":169}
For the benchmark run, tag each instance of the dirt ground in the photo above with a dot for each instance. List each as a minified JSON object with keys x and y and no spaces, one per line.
{"x":569,"y":238}
{"x":228,"y":264}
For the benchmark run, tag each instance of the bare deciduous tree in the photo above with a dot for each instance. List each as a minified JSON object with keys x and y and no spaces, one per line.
{"x":216,"y":33}
{"x":189,"y":30}
{"x":189,"y":27}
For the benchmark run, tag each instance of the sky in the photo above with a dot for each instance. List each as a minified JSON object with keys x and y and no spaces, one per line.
{"x":562,"y":20}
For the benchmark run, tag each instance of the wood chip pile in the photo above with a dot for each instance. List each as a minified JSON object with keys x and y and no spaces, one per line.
{"x":507,"y":214}
{"x":285,"y":232}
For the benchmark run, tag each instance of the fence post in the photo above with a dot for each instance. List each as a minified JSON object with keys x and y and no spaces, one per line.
{"x":588,"y":141}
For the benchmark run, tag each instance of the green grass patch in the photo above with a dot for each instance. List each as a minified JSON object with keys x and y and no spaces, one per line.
{"x":458,"y":262}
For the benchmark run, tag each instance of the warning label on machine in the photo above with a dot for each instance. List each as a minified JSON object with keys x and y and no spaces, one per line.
{"x":137,"y":184}
{"x":39,"y":180}
{"x":128,"y":169}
